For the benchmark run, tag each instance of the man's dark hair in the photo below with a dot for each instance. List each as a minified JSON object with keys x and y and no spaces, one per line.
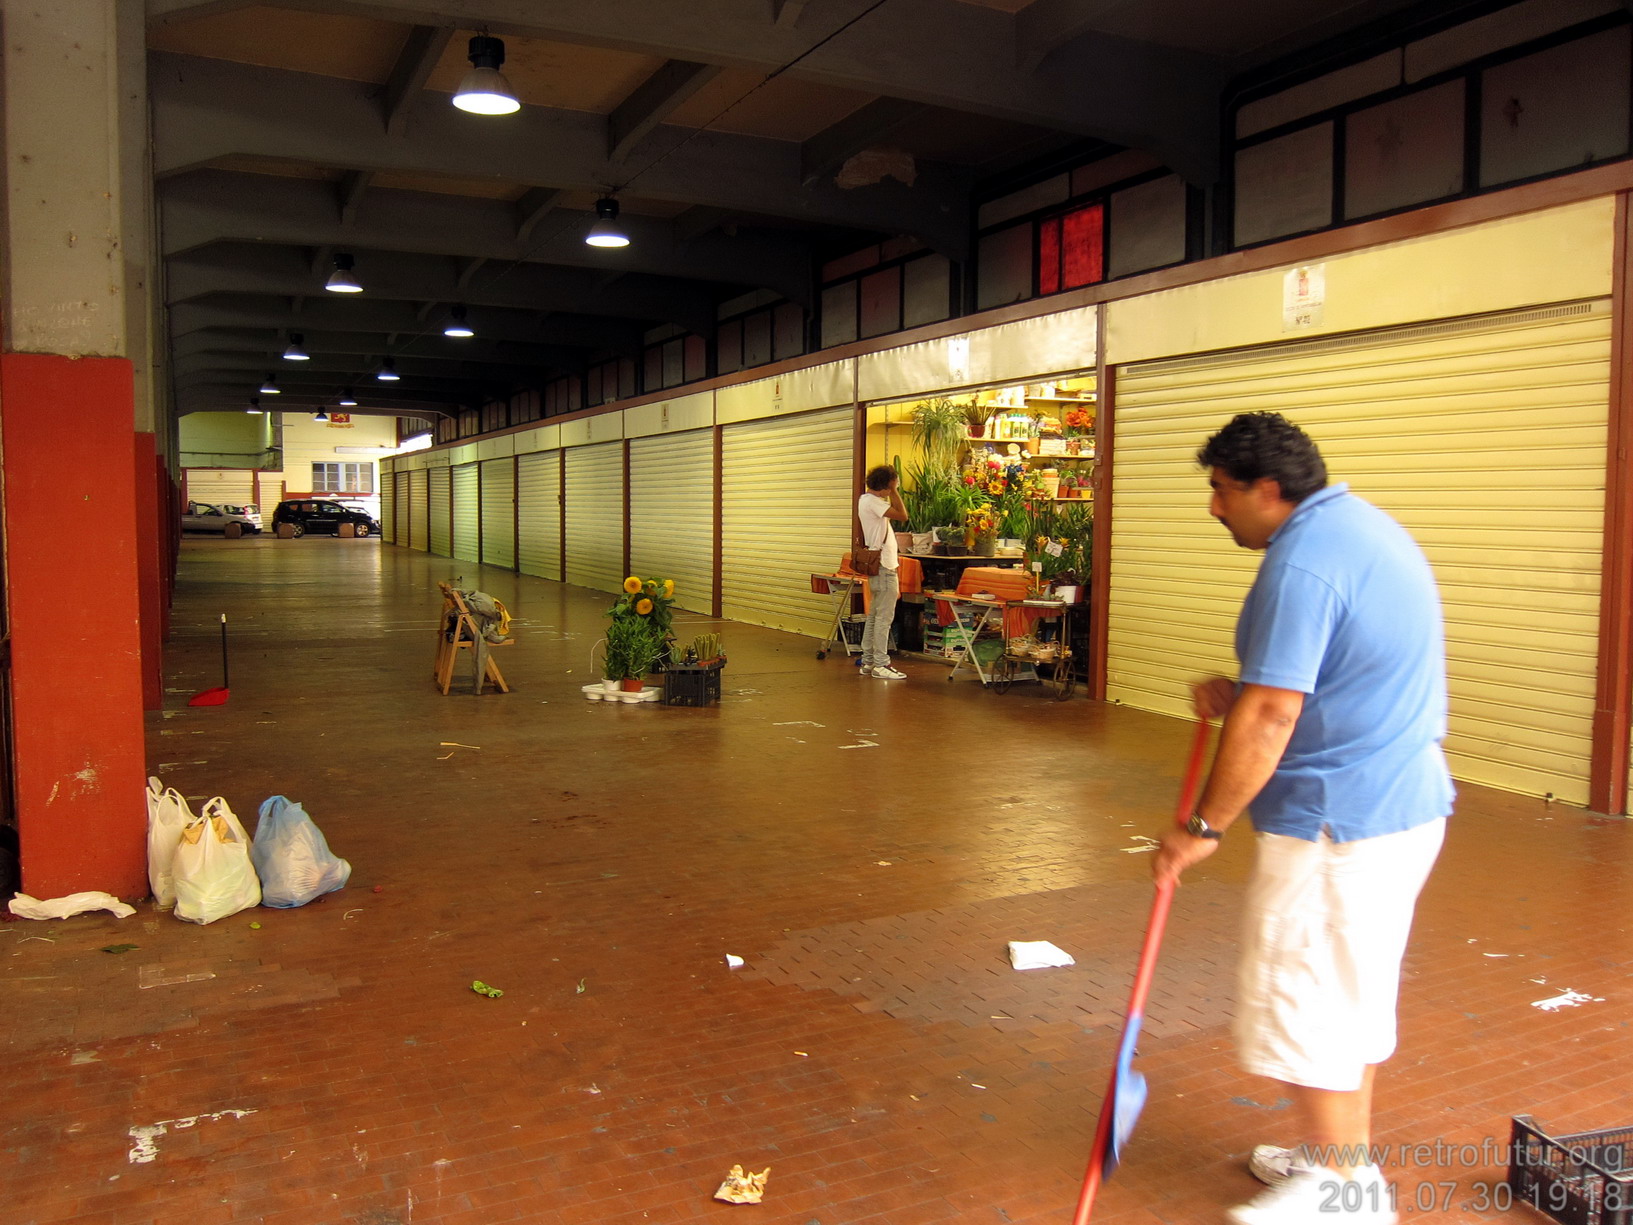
{"x":1256,"y":445}
{"x":879,"y":478}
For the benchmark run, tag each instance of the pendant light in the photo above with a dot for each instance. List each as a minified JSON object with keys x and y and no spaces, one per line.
{"x":457,"y":326}
{"x":254,"y":408}
{"x":270,"y":388}
{"x":294,"y":353}
{"x":606,"y":232}
{"x":388,"y":371}
{"x":484,"y":90}
{"x":341,"y":279}
{"x":347,"y":400}
{"x":320,"y":415}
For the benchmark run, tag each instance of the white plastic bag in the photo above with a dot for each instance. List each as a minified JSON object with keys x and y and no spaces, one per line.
{"x":25,"y":907}
{"x":167,"y":816}
{"x":214,"y":875}
{"x":292,"y":856}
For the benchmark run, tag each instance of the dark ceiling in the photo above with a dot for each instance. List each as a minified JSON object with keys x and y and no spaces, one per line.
{"x":285,"y":135}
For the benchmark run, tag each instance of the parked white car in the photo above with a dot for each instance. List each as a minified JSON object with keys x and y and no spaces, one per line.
{"x":207,"y":517}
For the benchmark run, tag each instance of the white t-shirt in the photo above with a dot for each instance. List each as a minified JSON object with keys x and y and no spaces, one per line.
{"x":876,"y":529}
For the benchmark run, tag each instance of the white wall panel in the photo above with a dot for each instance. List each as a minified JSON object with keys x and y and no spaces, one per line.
{"x":441,"y":503}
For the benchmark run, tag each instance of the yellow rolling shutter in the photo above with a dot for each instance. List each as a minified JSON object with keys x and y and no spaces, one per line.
{"x":786,"y":512}
{"x":595,"y":516}
{"x":388,"y":507}
{"x":538,"y":511}
{"x":467,"y":513}
{"x":1484,"y":437}
{"x":222,"y":486}
{"x":419,"y":509}
{"x":499,"y":513}
{"x":442,"y":485}
{"x":671,"y":513}
{"x":401,"y":529}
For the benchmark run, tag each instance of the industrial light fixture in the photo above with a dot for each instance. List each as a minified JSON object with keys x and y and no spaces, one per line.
{"x":320,"y":415}
{"x":254,"y":408}
{"x":388,"y":371}
{"x":294,"y":353}
{"x":606,"y":232}
{"x":270,"y":388}
{"x":347,"y":400}
{"x":456,"y":325}
{"x":484,"y":90}
{"x":341,"y":279}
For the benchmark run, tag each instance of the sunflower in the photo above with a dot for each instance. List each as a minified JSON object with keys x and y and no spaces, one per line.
{"x":632,"y":584}
{"x":643,"y":606}
{"x":668,"y":588}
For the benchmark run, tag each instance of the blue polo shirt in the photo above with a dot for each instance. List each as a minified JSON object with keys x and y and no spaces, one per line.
{"x":1345,"y":610}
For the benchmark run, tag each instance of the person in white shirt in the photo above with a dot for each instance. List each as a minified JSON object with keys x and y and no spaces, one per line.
{"x":881,"y":502}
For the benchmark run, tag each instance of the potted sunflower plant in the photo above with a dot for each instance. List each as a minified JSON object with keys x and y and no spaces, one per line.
{"x":639,"y":637}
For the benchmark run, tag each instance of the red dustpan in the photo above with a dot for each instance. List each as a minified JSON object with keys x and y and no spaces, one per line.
{"x":1125,"y":1095}
{"x":215,"y":697}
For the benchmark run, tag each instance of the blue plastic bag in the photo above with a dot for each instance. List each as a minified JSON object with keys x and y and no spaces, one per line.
{"x":293,"y":859}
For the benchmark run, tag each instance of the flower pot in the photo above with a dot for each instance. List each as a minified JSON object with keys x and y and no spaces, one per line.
{"x":986,"y":546}
{"x":1068,"y":594}
{"x":609,"y":684}
{"x":957,"y":550}
{"x":632,"y":684}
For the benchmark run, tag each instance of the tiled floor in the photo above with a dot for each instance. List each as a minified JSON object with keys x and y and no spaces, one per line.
{"x":333,"y":1067}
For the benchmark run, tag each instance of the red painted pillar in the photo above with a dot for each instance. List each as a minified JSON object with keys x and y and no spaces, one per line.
{"x":71,"y":498}
{"x":151,"y":529}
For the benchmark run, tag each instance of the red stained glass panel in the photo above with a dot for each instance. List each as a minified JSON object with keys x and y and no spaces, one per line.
{"x":1083,"y":243}
{"x":1049,"y":256}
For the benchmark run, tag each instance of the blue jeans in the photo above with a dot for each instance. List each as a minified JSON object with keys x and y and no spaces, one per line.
{"x":883,"y":591}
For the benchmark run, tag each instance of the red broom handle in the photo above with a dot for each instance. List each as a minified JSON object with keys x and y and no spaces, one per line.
{"x":1142,"y":976}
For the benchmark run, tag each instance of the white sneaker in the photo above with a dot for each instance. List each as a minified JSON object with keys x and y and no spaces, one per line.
{"x":1315,"y":1194}
{"x":1270,"y":1164}
{"x":887,"y":673}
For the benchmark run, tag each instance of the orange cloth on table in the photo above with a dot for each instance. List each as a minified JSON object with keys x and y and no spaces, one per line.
{"x":1006,"y":585}
{"x":909,"y":578}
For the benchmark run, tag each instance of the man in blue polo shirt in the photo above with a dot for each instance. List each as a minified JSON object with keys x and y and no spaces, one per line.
{"x":1332,"y":739}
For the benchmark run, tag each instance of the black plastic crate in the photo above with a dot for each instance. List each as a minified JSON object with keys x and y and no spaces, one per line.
{"x":1580,"y":1179}
{"x":692,"y":684}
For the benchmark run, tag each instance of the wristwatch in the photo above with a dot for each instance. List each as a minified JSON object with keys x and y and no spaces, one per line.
{"x":1199,"y":828}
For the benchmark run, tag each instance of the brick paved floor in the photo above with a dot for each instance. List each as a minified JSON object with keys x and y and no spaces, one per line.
{"x":598,"y":863}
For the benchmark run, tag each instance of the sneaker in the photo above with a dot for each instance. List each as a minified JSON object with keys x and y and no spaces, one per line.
{"x":1270,"y":1164}
{"x":887,"y":673}
{"x":1315,"y":1194}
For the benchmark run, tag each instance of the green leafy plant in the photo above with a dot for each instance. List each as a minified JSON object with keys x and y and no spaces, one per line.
{"x":705,"y":647}
{"x":930,"y":496}
{"x":632,"y":649}
{"x":938,"y":432}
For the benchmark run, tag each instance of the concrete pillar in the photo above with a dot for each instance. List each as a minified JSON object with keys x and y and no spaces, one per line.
{"x":77,"y":424}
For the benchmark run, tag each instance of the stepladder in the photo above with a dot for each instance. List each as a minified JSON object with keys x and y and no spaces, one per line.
{"x":459,"y":629}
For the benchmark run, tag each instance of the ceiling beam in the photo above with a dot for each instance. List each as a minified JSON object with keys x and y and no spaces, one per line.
{"x":650,"y":103}
{"x":350,"y":193}
{"x":421,"y":51}
{"x":330,"y":314}
{"x":206,"y":109}
{"x":411,"y":278}
{"x":266,"y":345}
{"x":534,"y":206}
{"x":1127,"y":91}
{"x":205,"y":207}
{"x":872,"y":124}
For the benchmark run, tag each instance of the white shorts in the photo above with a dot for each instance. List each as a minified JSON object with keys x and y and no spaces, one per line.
{"x":1322,"y":942}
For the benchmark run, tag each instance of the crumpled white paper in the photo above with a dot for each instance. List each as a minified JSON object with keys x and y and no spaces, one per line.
{"x":1037,"y":955}
{"x":25,"y":907}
